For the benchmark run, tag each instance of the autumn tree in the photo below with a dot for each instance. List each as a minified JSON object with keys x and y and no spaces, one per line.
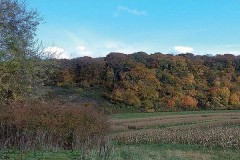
{"x":119,"y":62}
{"x":138,"y":86}
{"x":220,"y":97}
{"x":234,"y":100}
{"x":89,"y":71}
{"x":189,"y":102}
{"x":21,"y":68}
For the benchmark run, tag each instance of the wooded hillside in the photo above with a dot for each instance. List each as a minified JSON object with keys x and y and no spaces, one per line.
{"x":157,"y":82}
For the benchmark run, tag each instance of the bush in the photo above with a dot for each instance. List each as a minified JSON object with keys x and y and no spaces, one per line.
{"x":41,"y":125}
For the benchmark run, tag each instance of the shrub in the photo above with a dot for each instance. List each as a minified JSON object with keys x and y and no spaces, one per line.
{"x":30,"y":126}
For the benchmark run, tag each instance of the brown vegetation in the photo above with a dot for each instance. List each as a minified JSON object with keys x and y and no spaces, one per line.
{"x":42,"y":125}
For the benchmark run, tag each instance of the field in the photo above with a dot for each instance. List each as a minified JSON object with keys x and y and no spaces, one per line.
{"x":184,"y":135}
{"x":165,"y":135}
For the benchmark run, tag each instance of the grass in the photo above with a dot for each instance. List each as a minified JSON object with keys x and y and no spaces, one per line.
{"x":37,"y":155}
{"x":145,"y":115}
{"x":82,"y":96}
{"x":133,"y":152}
{"x":174,"y":152}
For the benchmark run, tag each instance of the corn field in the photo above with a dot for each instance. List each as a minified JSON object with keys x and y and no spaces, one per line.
{"x":210,"y":130}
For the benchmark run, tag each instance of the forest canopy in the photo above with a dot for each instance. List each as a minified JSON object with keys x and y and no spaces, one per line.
{"x":157,"y":81}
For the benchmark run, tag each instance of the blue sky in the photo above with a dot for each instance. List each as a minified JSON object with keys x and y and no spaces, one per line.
{"x":96,"y":27}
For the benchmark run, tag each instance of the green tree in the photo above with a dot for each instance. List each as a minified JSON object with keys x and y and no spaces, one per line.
{"x":21,"y":65}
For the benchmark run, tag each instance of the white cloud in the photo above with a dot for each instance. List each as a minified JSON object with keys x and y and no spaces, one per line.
{"x":56,"y":52}
{"x":130,"y":11}
{"x":182,"y":49}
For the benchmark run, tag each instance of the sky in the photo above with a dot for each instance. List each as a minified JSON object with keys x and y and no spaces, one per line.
{"x":76,"y":28}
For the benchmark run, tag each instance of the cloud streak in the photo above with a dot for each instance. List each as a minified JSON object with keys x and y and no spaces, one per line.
{"x":131,"y":11}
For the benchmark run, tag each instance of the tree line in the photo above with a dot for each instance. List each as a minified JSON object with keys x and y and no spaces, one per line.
{"x":157,"y":82}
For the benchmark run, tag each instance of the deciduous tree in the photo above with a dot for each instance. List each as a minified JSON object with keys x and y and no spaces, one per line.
{"x":21,"y":71}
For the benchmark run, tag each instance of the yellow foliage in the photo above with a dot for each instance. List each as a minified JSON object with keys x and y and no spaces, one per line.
{"x":234,"y":99}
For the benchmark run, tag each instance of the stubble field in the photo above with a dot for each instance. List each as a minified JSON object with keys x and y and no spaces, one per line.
{"x":213,"y":133}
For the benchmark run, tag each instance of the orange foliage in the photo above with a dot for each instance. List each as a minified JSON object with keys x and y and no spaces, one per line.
{"x":171,"y":103}
{"x":189,"y":102}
